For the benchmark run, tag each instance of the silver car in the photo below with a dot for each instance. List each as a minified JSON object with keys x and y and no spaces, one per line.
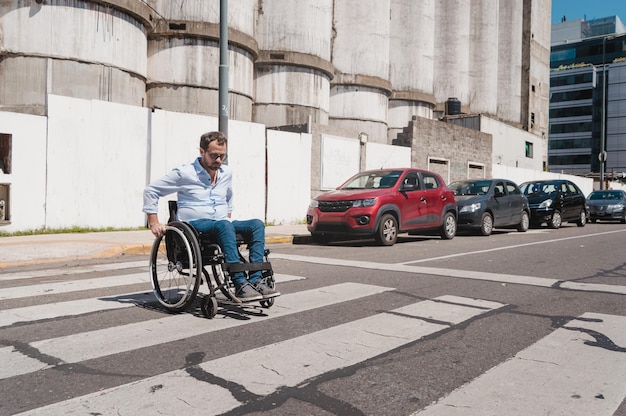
{"x":607,"y":206}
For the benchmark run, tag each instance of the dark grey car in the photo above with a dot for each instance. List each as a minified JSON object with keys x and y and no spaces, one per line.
{"x":485,"y":204}
{"x":607,"y":205}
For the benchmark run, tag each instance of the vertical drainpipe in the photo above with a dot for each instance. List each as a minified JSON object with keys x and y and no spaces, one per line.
{"x":223,"y":74}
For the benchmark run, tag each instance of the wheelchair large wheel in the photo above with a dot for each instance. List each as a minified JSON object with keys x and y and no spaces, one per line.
{"x":176,"y":267}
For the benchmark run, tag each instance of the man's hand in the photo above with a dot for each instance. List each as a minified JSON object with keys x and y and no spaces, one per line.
{"x":158,"y":229}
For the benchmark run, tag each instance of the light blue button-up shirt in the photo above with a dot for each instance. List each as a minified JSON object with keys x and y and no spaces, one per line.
{"x":197,"y":198}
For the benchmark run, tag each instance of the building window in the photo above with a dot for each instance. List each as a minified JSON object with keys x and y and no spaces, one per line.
{"x":529,"y":150}
{"x":532,"y":120}
{"x":5,"y":153}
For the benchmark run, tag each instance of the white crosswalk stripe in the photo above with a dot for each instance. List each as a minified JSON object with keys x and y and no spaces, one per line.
{"x":573,"y":371}
{"x":83,"y":306}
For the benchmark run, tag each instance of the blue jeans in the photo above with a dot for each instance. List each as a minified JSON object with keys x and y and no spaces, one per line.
{"x":224,"y":232}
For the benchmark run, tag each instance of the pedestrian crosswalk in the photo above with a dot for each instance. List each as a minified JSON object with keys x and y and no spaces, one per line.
{"x":592,"y":345}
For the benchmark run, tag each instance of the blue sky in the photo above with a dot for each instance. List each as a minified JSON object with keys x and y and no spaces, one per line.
{"x":592,"y":9}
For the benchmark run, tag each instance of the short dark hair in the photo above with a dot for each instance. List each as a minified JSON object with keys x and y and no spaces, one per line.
{"x":207,"y":138}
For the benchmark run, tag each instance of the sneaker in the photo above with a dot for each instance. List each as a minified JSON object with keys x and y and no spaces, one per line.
{"x":265,"y":290}
{"x":248,"y":293}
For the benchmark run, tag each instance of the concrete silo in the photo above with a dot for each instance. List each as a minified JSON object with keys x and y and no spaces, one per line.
{"x":293,"y":72}
{"x":483,"y":92}
{"x":452,"y":49}
{"x":411,"y":62}
{"x":510,"y":30}
{"x":183,"y":57}
{"x":82,"y":49}
{"x":360,"y":54}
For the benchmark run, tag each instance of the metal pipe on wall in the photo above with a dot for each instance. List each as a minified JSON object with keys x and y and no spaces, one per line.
{"x":223,"y":72}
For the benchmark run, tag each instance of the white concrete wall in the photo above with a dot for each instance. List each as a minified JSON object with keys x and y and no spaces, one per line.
{"x":288,"y":176}
{"x":519,"y":176}
{"x":27,"y":179}
{"x":86,"y":165}
{"x":379,"y":156}
{"x":509,"y":145}
{"x":96,"y":163}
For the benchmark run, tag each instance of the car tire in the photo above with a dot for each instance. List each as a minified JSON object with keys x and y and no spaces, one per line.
{"x":524,"y":223}
{"x":623,"y":220}
{"x":387,"y":233}
{"x":486,"y":224}
{"x":556,"y":220}
{"x":582,"y":218}
{"x":448,"y":227}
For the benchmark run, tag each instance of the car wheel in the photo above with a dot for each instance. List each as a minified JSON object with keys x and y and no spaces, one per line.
{"x":623,"y":220}
{"x":387,"y":233}
{"x":582,"y":218}
{"x":524,"y":223}
{"x":448,"y":228}
{"x":556,"y":220}
{"x":486,"y":224}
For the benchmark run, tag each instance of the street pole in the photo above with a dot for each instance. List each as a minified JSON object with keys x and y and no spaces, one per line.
{"x":223,"y":71}
{"x":603,"y":124}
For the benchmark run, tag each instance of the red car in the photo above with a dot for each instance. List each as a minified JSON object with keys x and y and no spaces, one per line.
{"x":382,"y":203}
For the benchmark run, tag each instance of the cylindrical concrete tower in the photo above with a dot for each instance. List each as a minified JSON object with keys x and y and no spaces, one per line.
{"x":184,"y":58}
{"x":360,"y":54}
{"x":293,"y":71}
{"x":483,"y":96}
{"x":77,"y":48}
{"x":452,"y":49}
{"x":510,"y":30}
{"x":411,"y":63}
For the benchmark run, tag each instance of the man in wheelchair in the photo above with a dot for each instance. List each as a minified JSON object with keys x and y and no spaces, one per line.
{"x":205,"y":195}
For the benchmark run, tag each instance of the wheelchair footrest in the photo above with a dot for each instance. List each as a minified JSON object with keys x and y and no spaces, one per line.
{"x":245,"y":267}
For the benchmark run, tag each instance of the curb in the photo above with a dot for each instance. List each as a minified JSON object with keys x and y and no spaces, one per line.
{"x":136,"y":250}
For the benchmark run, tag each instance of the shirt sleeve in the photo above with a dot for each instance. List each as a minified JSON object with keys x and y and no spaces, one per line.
{"x":164,"y":186}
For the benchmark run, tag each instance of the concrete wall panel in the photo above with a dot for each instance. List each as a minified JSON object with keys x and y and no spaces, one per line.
{"x":484,"y":63}
{"x":510,"y":51}
{"x":27,"y":179}
{"x":452,"y":49}
{"x":288,"y":168}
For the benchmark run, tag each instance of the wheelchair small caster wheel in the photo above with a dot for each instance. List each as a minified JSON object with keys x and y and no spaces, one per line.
{"x":267,"y":303}
{"x":209,"y":306}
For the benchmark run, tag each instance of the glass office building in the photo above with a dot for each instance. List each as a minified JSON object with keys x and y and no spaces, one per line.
{"x":588,"y":97}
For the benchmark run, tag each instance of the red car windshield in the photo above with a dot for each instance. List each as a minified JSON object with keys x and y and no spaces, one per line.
{"x":373,"y":180}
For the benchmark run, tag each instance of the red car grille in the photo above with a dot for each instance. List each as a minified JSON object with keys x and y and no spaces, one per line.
{"x":334,"y":206}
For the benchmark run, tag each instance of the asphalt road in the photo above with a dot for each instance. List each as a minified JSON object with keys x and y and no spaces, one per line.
{"x":512,"y":324}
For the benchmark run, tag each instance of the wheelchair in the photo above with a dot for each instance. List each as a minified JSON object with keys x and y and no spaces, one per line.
{"x":183,"y":258}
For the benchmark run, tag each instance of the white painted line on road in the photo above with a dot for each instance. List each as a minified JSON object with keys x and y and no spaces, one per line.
{"x":54,"y":288}
{"x":593,"y":287}
{"x":100,"y":343}
{"x":461,"y":274}
{"x":264,"y":370}
{"x":82,"y":306}
{"x":59,"y":271}
{"x":577,"y":370}
{"x":436,"y":271}
{"x":515,"y":246}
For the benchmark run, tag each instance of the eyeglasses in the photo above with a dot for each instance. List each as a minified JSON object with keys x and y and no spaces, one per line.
{"x":216,"y":156}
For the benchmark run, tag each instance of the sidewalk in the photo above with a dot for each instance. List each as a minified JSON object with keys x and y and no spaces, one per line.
{"x":51,"y":248}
